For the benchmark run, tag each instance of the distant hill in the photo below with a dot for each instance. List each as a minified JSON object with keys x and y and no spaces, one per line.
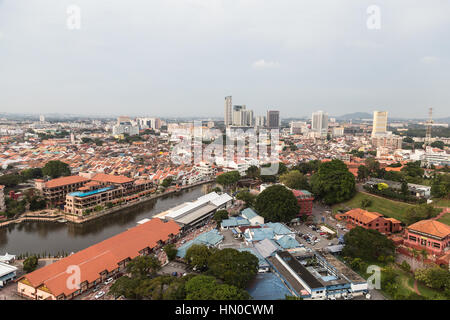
{"x":442,"y":120}
{"x":355,"y":116}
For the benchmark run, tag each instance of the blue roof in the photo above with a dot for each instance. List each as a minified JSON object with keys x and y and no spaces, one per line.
{"x":261,"y":261}
{"x":234,"y":222}
{"x":287,"y":242}
{"x":267,"y":286}
{"x":262,"y":233}
{"x":85,"y":194}
{"x":278,"y":228}
{"x":210,"y":238}
{"x":248,"y":213}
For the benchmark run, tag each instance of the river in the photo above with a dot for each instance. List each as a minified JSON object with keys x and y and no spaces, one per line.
{"x":54,"y":237}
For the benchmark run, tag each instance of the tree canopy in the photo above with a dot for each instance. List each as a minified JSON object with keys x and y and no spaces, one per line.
{"x":55,"y":169}
{"x":197,"y":256}
{"x":144,"y":266}
{"x":367,"y":244}
{"x":220,"y":215}
{"x":277,"y":204}
{"x":420,"y":212}
{"x":228,"y":179}
{"x":233,"y":267}
{"x":333,"y":183}
{"x":204,"y":287}
{"x":294,"y":179}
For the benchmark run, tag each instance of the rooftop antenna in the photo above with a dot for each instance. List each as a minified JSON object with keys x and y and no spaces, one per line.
{"x":429,"y":125}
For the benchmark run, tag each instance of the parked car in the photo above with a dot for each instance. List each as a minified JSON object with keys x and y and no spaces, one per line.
{"x":174,"y":273}
{"x":96,"y":288}
{"x":99,"y":294}
{"x":109,"y":280}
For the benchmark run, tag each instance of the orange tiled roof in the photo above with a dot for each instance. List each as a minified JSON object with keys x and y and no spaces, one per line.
{"x":111,"y":178}
{"x":63,"y":181}
{"x":102,"y":256}
{"x":432,"y":227}
{"x":363,"y":215}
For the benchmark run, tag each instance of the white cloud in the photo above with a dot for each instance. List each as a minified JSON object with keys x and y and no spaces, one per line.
{"x":429,"y":60}
{"x":263,"y":64}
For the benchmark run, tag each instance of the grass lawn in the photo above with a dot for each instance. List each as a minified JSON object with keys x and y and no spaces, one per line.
{"x":441,"y":202}
{"x":445,"y":218}
{"x":388,"y":208}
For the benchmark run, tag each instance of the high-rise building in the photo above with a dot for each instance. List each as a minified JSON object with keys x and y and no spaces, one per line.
{"x":228,"y":112}
{"x":320,"y":122}
{"x":260,"y":121}
{"x":379,"y":123}
{"x":273,"y":119}
{"x":296,"y":127}
{"x":237,"y":115}
{"x":125,"y":126}
{"x":42,"y":118}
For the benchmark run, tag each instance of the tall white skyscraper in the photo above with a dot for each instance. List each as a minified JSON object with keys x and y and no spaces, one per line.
{"x":228,"y":112}
{"x":379,"y":123}
{"x":260,"y":121}
{"x":320,"y":122}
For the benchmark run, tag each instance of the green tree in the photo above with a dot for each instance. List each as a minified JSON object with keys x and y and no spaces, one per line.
{"x":56,"y":169}
{"x":438,"y":144}
{"x":220,"y":215}
{"x":228,"y":179}
{"x":372,"y":165}
{"x":143,"y":266}
{"x":434,"y":277}
{"x":365,"y":203}
{"x":167,"y":182}
{"x":366,"y":244}
{"x":30,"y":264}
{"x":125,"y":286}
{"x":233,"y":267}
{"x":204,"y":287}
{"x":253,"y":172}
{"x":363,"y":173}
{"x":197,"y":256}
{"x":440,"y":186}
{"x":420,"y":212}
{"x":171,"y":251}
{"x":333,"y":183}
{"x":247,"y":197}
{"x":277,"y":203}
{"x":295,"y":180}
{"x":201,"y":287}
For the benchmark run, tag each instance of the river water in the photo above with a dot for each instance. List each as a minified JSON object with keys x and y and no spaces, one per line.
{"x":54,"y":237}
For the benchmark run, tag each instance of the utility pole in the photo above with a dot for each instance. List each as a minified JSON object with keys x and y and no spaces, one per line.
{"x":429,"y":125}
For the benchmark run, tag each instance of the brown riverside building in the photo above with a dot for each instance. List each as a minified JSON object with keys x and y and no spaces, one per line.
{"x":55,"y":190}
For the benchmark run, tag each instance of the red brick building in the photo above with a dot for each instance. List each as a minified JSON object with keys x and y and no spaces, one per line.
{"x":370,"y":220}
{"x":305,"y":201}
{"x":431,"y":235}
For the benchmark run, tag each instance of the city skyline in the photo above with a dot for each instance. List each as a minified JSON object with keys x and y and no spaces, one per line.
{"x":325,"y":61}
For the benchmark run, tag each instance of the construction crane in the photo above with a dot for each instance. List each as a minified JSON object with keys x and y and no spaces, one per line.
{"x":429,"y":125}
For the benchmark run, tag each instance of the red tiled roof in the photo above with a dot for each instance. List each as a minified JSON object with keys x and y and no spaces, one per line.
{"x":63,"y":181}
{"x":111,"y":178}
{"x":432,"y":227}
{"x":102,"y":256}
{"x":363,"y":215}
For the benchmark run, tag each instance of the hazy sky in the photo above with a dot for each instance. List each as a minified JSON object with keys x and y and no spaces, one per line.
{"x":182,"y":57}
